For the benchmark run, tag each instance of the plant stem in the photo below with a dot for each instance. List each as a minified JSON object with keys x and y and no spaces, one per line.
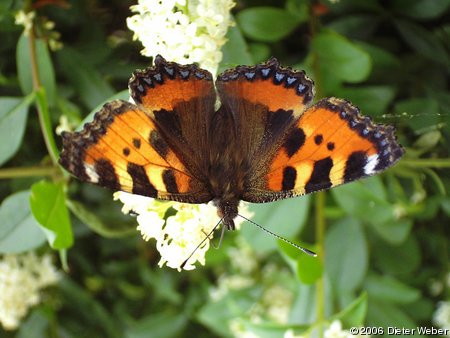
{"x":313,"y":27}
{"x":8,"y":173}
{"x":42,"y":104}
{"x":34,"y":66}
{"x":427,"y":163}
{"x":320,"y":196}
{"x":320,"y":242}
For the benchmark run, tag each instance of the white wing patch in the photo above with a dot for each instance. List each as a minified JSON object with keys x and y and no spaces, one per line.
{"x":90,"y":171}
{"x":372,"y":161}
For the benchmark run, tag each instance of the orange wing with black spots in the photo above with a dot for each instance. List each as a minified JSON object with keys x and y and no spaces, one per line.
{"x":263,"y":101}
{"x":330,"y":144}
{"x":297,"y":149}
{"x":146,"y":148}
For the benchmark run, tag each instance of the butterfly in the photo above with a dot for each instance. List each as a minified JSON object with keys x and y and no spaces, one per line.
{"x":265,"y":142}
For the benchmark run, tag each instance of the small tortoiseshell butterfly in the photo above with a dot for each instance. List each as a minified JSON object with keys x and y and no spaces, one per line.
{"x":264,"y":143}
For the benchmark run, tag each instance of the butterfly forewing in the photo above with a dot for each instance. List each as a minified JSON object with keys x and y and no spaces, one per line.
{"x":265,"y":101}
{"x":149,"y":148}
{"x":181,"y":101}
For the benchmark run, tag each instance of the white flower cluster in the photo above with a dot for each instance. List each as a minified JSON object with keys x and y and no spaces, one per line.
{"x":178,"y":236}
{"x":275,"y":300}
{"x":441,"y":316}
{"x":335,"y":331}
{"x":25,"y":20}
{"x":183,"y":31}
{"x":21,"y":279}
{"x":244,"y":261}
{"x":64,"y":125}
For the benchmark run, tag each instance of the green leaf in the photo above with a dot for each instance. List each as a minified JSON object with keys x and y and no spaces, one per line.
{"x":161,"y":325}
{"x":268,"y":24}
{"x":46,"y":72}
{"x":385,"y":314}
{"x":340,"y":58}
{"x":95,"y":223}
{"x":423,"y":42}
{"x":123,"y":95}
{"x":371,"y":100}
{"x":395,"y":231}
{"x":285,"y":218}
{"x":19,"y":231}
{"x":299,"y":9}
{"x":382,"y":59}
{"x":355,"y":313}
{"x":420,"y":9}
{"x":47,"y":202}
{"x":398,"y":259}
{"x":35,"y":325}
{"x":214,"y":314}
{"x":94,"y":315}
{"x":260,"y":51}
{"x":5,"y":5}
{"x":445,"y":205}
{"x":422,"y":309}
{"x":91,"y":87}
{"x":356,"y":26}
{"x":365,"y":200}
{"x":235,"y":51}
{"x":303,"y":310}
{"x":13,"y":120}
{"x":387,"y":288}
{"x":309,"y":269}
{"x":428,"y":141}
{"x":346,"y":255}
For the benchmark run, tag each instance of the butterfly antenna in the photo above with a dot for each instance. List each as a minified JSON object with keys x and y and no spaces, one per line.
{"x":306,"y":251}
{"x":203,"y":241}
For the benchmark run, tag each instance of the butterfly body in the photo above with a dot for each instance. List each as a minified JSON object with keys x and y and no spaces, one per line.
{"x":264,"y":143}
{"x":228,"y":168}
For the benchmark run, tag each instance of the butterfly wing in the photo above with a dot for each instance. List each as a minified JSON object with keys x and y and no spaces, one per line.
{"x":295,"y":149}
{"x":329,"y":145}
{"x":264,"y":101}
{"x":147,"y":148}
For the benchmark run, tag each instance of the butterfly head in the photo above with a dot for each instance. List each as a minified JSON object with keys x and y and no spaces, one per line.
{"x":227,"y":210}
